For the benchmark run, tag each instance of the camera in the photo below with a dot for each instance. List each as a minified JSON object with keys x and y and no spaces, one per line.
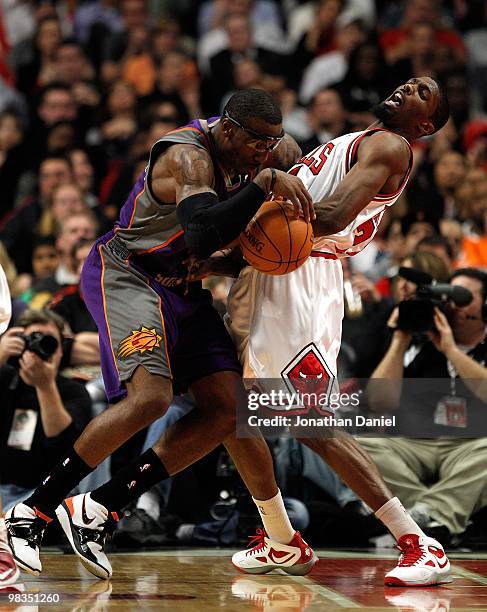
{"x":43,"y":345}
{"x":416,"y":315}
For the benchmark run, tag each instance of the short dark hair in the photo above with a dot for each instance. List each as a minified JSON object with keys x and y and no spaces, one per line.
{"x":474,"y":273}
{"x":43,"y":317}
{"x":40,"y":241}
{"x":436,"y":241}
{"x":442,"y":112}
{"x":431,"y":264}
{"x":253,"y":104}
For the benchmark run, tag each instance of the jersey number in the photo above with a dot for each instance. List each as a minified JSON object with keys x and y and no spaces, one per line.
{"x":315,"y":164}
{"x":364,"y":232}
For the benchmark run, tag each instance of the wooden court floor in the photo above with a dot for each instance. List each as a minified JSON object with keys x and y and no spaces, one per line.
{"x":194,"y":580}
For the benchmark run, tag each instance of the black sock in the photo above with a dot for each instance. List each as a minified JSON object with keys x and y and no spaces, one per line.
{"x":131,"y":481}
{"x":69,"y":472}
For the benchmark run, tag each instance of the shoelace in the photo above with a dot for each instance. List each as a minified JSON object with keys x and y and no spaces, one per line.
{"x":27,"y":529}
{"x":96,"y":536}
{"x":259,"y":540}
{"x":410,"y":555}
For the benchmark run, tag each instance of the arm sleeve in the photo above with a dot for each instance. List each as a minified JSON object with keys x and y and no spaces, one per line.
{"x":210,"y":225}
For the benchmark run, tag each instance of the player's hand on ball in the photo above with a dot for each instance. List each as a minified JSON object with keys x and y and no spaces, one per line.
{"x":292,"y":189}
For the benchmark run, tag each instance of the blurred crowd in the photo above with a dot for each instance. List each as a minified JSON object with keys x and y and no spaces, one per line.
{"x":87,"y":87}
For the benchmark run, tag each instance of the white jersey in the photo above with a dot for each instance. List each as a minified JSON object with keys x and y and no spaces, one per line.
{"x":5,"y":302}
{"x":322,"y":171}
{"x":288,"y":328}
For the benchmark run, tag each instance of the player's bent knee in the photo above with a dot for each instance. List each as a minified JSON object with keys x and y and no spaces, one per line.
{"x":152,"y":400}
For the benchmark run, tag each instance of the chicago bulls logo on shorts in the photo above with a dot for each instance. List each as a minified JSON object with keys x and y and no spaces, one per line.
{"x":309,"y":376}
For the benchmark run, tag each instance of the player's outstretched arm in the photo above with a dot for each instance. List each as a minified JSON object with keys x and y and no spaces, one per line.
{"x":381,"y":156}
{"x":210,"y":224}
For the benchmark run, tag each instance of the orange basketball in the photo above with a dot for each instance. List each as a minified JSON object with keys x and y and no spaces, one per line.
{"x":274,"y":242}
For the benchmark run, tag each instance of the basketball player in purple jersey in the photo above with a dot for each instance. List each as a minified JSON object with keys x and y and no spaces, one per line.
{"x":203,"y":184}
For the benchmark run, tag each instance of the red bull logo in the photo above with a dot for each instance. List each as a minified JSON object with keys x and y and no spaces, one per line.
{"x":308,"y":376}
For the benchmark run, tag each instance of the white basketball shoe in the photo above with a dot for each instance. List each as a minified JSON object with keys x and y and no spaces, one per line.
{"x":87,"y":524}
{"x":422,"y":562}
{"x":295,"y":558}
{"x":25,"y":529}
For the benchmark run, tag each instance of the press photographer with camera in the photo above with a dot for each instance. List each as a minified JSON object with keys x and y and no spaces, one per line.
{"x":42,"y":412}
{"x":439,"y":345}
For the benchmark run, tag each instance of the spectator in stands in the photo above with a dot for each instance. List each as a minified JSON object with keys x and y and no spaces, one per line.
{"x":443,"y":479}
{"x":415,"y":227}
{"x":72,"y":65}
{"x":18,"y":229}
{"x":72,"y":229}
{"x":66,"y":200}
{"x":134,"y":15}
{"x":39,"y":70}
{"x":12,"y":157}
{"x":436,"y":192}
{"x":68,"y":302}
{"x":121,"y":126}
{"x":327,"y":118}
{"x":42,"y":414}
{"x":331,"y":67}
{"x":38,"y":288}
{"x":471,"y":201}
{"x":395,"y":41}
{"x":240,"y":45}
{"x":458,"y":92}
{"x":439,"y":246}
{"x":367,"y":80}
{"x":93,"y":14}
{"x":420,"y":60}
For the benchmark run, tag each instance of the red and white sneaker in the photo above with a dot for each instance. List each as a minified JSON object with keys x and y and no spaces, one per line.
{"x":9,"y":572}
{"x":295,"y":558}
{"x":422,"y":562}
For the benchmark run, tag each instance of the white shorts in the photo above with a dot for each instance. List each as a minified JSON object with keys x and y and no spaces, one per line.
{"x":277,"y":321}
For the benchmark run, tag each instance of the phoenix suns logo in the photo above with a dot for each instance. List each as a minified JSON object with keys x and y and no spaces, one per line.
{"x":139,"y":341}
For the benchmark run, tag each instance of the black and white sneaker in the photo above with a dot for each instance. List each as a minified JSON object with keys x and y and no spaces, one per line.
{"x":87,"y":525}
{"x":25,"y":529}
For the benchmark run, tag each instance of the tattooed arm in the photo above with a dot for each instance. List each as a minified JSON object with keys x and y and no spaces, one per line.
{"x":187,"y":173}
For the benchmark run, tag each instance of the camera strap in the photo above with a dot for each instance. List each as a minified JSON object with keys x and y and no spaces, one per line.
{"x":453,"y":376}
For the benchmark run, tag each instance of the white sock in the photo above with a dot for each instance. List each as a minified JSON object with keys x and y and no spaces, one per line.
{"x":149,"y":501}
{"x":397,"y":519}
{"x":275,"y":519}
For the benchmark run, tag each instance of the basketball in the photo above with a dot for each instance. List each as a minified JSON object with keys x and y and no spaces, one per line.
{"x":274,"y":241}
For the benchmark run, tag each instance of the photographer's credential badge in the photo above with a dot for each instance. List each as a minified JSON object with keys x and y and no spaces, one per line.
{"x":451,"y":410}
{"x":23,"y":429}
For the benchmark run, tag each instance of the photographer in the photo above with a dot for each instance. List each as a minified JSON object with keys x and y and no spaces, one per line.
{"x":446,"y":402}
{"x":42,"y":412}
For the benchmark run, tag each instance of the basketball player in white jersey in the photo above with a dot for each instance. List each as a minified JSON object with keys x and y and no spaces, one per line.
{"x":290,"y":326}
{"x":9,"y":572}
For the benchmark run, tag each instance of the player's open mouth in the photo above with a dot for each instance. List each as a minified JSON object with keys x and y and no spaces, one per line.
{"x":397,"y":99}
